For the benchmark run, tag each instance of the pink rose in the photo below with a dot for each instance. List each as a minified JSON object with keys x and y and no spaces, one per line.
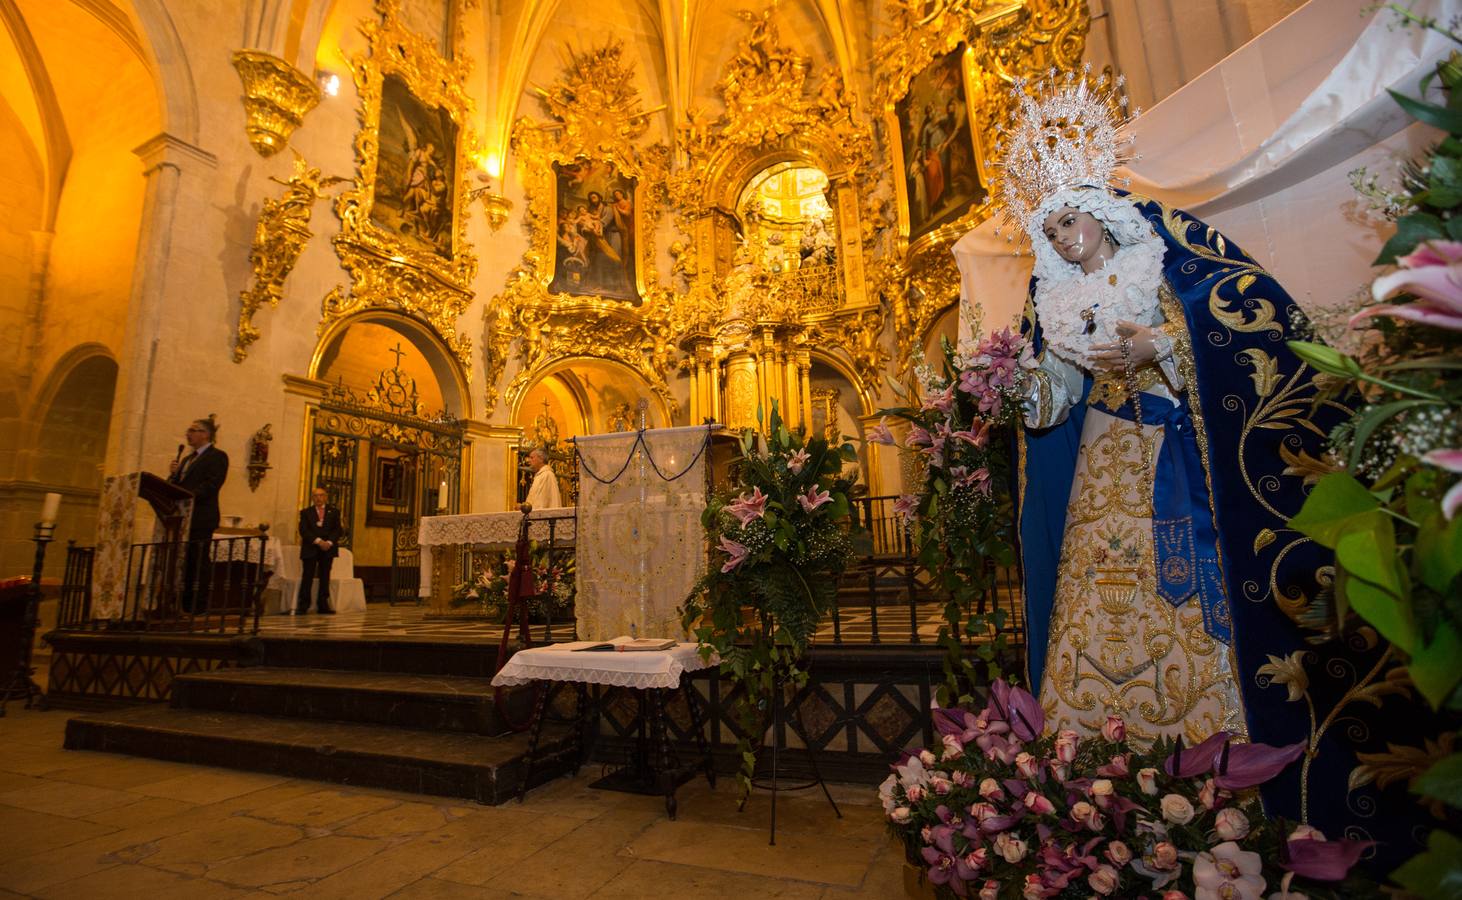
{"x":1231,"y":824}
{"x":1114,"y":729}
{"x":1177,"y":809}
{"x":953,"y":748}
{"x":1027,"y":765}
{"x":990,"y":789}
{"x":1101,"y":792}
{"x":1118,"y":853}
{"x":1164,"y":856}
{"x":1060,"y":772}
{"x":962,"y":779}
{"x":990,"y":890}
{"x":1147,"y":781}
{"x":914,"y":792}
{"x":1038,"y":804}
{"x":1011,"y":849}
{"x":1208,"y":794}
{"x":1174,"y":895}
{"x":1034,"y":889}
{"x":926,"y":758}
{"x":1087,"y":816}
{"x":940,"y":785}
{"x":983,"y":811}
{"x":1066,"y":743}
{"x":1104,"y":880}
{"x":901,"y":815}
{"x":977,"y":858}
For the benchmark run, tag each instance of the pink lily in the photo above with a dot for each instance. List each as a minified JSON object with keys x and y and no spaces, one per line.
{"x":746,"y":508}
{"x":1322,"y":860}
{"x":940,"y":400}
{"x":814,"y":498}
{"x":737,"y":553}
{"x":797,"y":461}
{"x":978,"y":434}
{"x":881,"y":435}
{"x":918,"y":437}
{"x":1433,"y":275}
{"x":1451,"y":460}
{"x":906,"y":506}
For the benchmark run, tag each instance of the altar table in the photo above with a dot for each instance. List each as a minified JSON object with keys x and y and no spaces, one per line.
{"x":441,"y":537}
{"x":650,"y":672}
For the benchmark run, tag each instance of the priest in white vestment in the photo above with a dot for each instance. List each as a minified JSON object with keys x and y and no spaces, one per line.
{"x":543,"y":493}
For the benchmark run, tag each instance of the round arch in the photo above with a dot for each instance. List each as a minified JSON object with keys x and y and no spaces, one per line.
{"x":865,"y":400}
{"x":61,"y":370}
{"x":71,"y":418}
{"x":565,"y":364}
{"x":456,"y":393}
{"x":177,"y":94}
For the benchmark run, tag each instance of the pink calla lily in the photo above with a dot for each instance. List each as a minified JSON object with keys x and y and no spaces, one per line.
{"x":1323,"y":860}
{"x":1017,"y":706}
{"x":1451,"y":460}
{"x":1187,"y":762}
{"x":1253,"y":764}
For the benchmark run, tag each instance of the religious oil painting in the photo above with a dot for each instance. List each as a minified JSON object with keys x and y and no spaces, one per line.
{"x":941,"y":176}
{"x":416,"y":170}
{"x":594,"y":239}
{"x":390,"y":486}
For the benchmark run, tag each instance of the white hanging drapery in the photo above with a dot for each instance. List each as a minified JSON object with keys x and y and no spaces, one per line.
{"x":640,"y":543}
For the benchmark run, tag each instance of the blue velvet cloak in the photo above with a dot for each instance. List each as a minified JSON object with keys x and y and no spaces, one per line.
{"x":1253,"y":403}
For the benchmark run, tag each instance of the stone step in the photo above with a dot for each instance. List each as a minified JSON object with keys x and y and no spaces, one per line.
{"x":409,"y":655}
{"x":447,"y":703}
{"x":485,"y":769}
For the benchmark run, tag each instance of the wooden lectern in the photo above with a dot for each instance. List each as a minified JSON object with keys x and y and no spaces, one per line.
{"x":166,"y":500}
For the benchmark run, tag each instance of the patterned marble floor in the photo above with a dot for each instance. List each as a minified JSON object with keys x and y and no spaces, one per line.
{"x":381,"y":620}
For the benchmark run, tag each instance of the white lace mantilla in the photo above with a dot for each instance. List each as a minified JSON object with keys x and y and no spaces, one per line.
{"x":638,"y":669}
{"x":1125,"y":289}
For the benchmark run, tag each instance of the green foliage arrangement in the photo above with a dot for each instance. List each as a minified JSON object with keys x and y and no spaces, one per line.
{"x":782,"y":539}
{"x":1390,"y":512}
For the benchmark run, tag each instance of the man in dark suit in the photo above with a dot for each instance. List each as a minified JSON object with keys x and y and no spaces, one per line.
{"x":202,"y":472}
{"x":320,"y":532}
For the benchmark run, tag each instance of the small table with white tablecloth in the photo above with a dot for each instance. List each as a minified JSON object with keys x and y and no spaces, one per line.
{"x":650,"y":672}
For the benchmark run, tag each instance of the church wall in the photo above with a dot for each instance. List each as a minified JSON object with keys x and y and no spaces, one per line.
{"x":1161,"y":45}
{"x":172,"y":327}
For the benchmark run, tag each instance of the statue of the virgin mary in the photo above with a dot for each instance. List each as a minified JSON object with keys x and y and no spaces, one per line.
{"x":1167,"y":428}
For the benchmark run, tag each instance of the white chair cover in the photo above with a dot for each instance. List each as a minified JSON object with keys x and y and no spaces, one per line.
{"x":347,"y":593}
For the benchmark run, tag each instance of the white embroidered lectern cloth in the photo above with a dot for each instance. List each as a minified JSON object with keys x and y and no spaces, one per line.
{"x":640,"y":542}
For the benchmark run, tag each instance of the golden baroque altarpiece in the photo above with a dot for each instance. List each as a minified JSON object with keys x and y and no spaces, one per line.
{"x":386,"y":269}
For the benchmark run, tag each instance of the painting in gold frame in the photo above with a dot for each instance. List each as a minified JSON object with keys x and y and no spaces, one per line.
{"x":416,"y":170}
{"x":595,"y":239}
{"x":940,"y":175}
{"x":388,"y":494}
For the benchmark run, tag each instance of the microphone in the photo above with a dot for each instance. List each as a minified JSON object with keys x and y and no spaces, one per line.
{"x":181,"y":448}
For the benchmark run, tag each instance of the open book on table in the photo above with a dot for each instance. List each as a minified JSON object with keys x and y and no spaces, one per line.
{"x":629,"y":646}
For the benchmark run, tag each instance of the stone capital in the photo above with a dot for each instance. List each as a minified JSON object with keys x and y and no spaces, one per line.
{"x":163,"y":149}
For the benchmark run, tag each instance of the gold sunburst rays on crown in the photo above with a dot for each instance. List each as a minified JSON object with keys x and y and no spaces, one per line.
{"x":1065,"y":131}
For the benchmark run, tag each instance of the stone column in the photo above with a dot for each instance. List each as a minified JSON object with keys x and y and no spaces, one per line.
{"x":170,"y":165}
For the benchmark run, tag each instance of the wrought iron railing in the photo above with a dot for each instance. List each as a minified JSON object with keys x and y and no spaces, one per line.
{"x":206,"y":586}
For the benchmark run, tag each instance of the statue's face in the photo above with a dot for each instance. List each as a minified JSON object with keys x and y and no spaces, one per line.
{"x":1076,"y":235}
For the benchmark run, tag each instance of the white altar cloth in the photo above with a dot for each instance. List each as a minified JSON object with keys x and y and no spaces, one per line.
{"x":498,"y":529}
{"x":636,"y":669}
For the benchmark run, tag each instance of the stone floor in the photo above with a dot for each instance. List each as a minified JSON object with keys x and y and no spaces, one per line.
{"x":83,"y":825}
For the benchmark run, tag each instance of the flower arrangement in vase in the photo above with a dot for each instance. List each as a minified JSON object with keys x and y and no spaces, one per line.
{"x":999,"y":811}
{"x":780,"y":541}
{"x":961,"y":517}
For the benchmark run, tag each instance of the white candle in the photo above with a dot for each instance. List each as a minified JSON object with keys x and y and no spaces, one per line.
{"x":442,"y":496}
{"x":50,"y":508}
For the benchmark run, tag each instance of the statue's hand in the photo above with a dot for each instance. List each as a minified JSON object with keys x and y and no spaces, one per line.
{"x":1142,"y":350}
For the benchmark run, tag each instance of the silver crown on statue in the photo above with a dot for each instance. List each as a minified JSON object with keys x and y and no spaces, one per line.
{"x":1065,"y":132}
